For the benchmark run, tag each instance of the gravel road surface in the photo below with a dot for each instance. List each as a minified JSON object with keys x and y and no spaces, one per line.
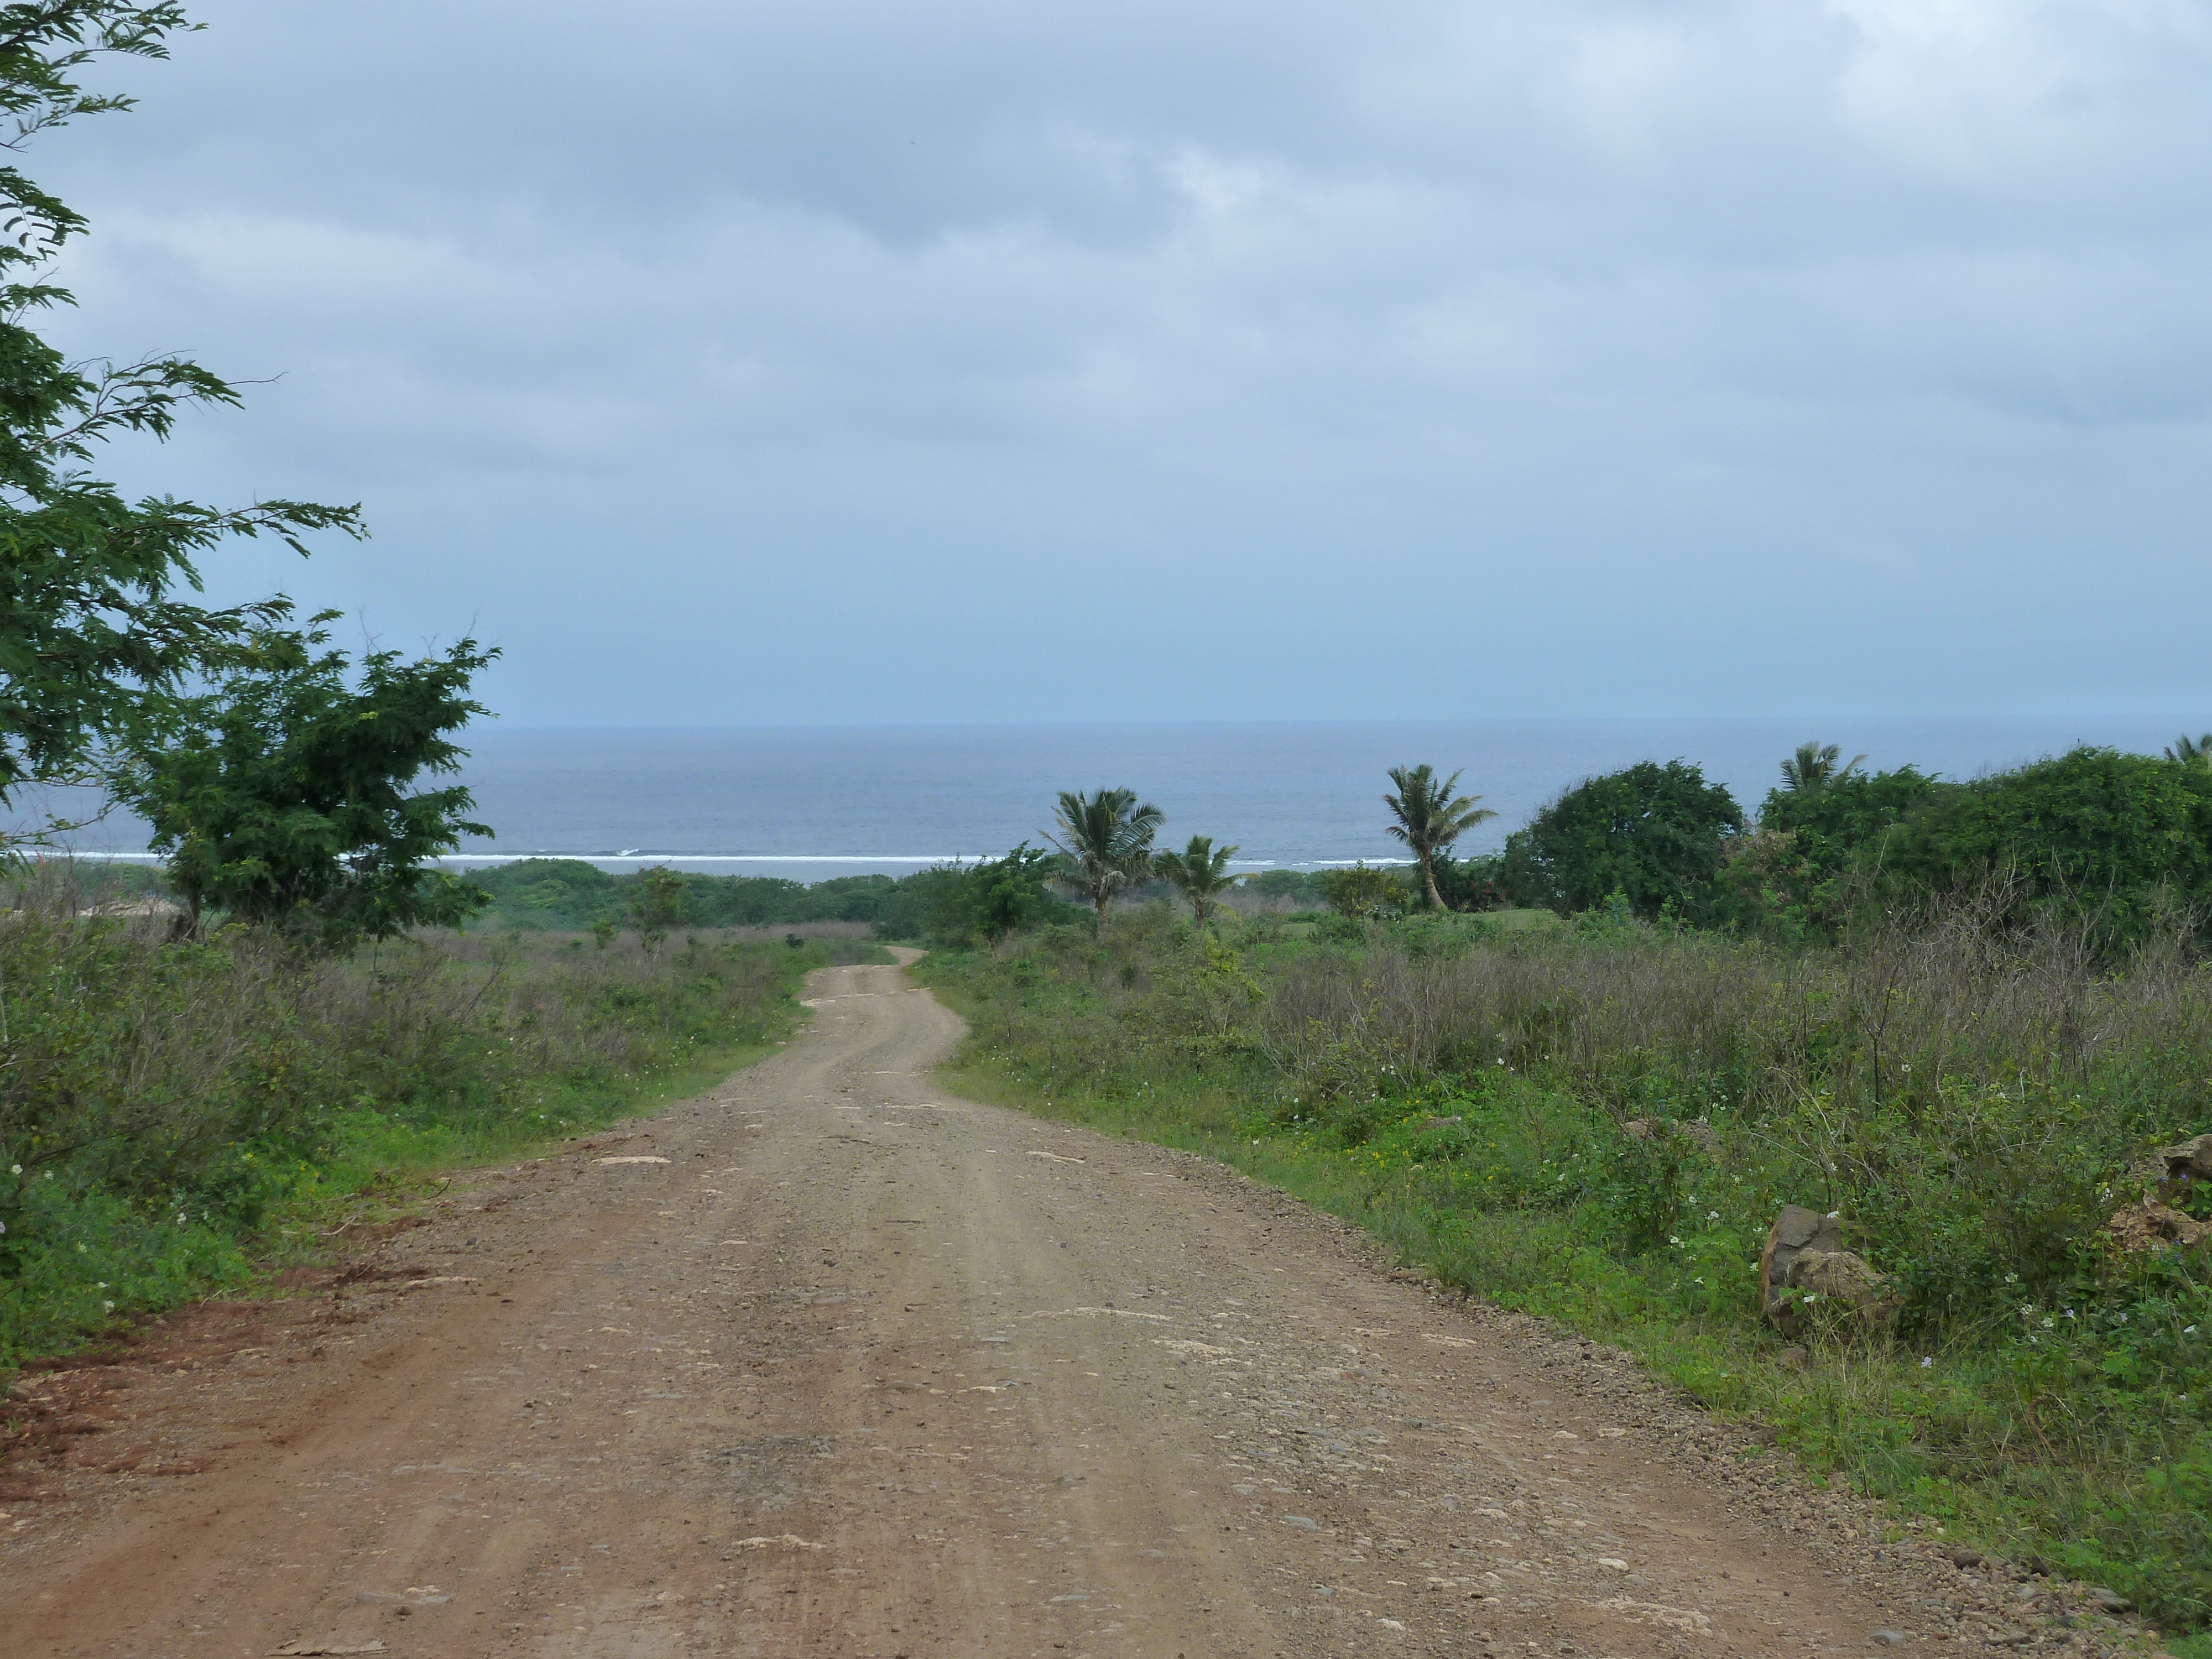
{"x":829,"y":1362}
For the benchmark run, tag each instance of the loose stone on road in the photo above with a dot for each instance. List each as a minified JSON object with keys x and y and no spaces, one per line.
{"x":829,"y":1362}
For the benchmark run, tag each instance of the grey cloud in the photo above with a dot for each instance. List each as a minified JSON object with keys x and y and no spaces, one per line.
{"x":1683,"y":357}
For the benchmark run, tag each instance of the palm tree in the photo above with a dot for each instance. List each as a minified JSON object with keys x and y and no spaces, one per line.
{"x":1813,"y":767}
{"x":1105,"y":840}
{"x":2191,"y":752}
{"x":1200,"y":872}
{"x":1430,"y":819}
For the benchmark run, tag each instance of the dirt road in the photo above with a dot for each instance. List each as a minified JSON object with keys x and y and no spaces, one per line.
{"x":830,"y":1362}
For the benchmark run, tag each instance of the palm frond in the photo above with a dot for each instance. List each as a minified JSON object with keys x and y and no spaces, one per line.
{"x":1815,"y":766}
{"x":1429,"y":817}
{"x":1105,"y":840}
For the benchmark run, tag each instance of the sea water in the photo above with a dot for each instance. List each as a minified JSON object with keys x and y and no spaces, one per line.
{"x":814,"y":802}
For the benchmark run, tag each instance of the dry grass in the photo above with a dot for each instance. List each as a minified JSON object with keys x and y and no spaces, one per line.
{"x":166,"y":1105}
{"x":1890,"y":1019}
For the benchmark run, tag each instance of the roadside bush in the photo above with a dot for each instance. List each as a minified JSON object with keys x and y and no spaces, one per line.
{"x":167,"y":1109}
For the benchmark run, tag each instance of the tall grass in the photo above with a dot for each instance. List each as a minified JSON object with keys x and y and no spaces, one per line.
{"x":1599,"y":1124}
{"x":171,"y":1110}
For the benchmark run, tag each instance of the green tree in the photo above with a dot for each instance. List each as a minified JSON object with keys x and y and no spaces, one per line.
{"x":98,"y":631}
{"x":2191,"y":752}
{"x":1429,"y":820}
{"x":1105,"y":842}
{"x":1818,"y":853}
{"x":1200,"y":872}
{"x":1654,"y":833}
{"x":285,"y":798}
{"x":656,"y":906}
{"x":1004,"y":895}
{"x":1813,"y":767}
{"x":2115,"y":836}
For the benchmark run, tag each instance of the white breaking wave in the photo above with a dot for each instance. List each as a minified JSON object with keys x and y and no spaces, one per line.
{"x":918,"y":860}
{"x":726,"y":858}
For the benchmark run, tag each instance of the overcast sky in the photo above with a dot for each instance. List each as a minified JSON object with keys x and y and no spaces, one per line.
{"x":844,"y":360}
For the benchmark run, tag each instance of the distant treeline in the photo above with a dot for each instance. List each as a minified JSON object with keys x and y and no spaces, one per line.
{"x":568,"y":895}
{"x":2123,"y":837}
{"x":2115,"y":836}
{"x":948,"y":903}
{"x":943,"y":903}
{"x":2109,"y":839}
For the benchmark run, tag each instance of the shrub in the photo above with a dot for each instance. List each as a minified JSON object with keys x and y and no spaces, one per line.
{"x":1654,"y":833}
{"x":1816,"y":850}
{"x":165,"y":1104}
{"x":1362,"y":892}
{"x":2120,"y":838}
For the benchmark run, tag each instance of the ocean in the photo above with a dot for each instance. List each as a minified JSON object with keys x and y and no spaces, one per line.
{"x":809,"y":803}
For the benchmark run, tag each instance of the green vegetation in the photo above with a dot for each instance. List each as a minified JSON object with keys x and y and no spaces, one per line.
{"x":1814,"y":767}
{"x":1818,"y":846}
{"x":1598,"y":1123}
{"x":656,"y":904}
{"x":1200,"y":872}
{"x":1105,"y":843}
{"x":2128,"y":837}
{"x":282,"y":796}
{"x":1362,"y":893}
{"x":1296,"y":890}
{"x":1655,"y":834}
{"x":173,"y":1111}
{"x":950,"y":904}
{"x":1430,"y":818}
{"x":97,"y":646}
{"x":570,"y":895}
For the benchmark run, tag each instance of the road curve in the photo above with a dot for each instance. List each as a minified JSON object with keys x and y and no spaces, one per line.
{"x":829,"y":1362}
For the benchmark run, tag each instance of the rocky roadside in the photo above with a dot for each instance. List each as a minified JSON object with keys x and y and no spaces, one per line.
{"x":1977,"y":1602}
